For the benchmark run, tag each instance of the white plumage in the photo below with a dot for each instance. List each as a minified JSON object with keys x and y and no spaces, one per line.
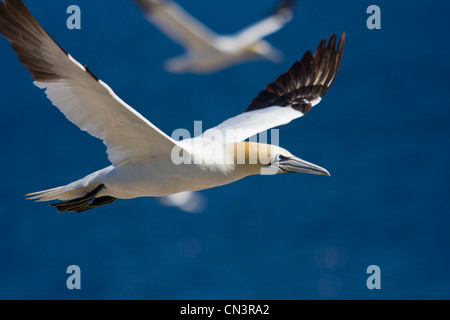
{"x":142,"y":156}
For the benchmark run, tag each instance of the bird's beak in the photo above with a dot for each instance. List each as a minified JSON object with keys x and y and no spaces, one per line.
{"x":295,"y":164}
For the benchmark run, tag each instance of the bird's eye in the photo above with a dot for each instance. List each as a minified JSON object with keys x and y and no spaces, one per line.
{"x":279,"y":158}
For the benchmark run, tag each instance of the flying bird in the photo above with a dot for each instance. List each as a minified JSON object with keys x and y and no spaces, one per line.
{"x":145,"y":162}
{"x":207,"y":51}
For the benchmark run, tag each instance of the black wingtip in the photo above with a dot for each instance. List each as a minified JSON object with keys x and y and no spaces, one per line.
{"x":147,"y":5}
{"x":307,"y":80}
{"x":341,"y":43}
{"x":286,"y":5}
{"x":20,"y":27}
{"x":285,"y":8}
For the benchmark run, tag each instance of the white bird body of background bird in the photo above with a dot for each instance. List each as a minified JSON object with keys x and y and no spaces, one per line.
{"x":207,"y":51}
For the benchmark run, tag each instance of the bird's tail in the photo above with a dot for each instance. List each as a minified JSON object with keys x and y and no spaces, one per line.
{"x":79,"y":196}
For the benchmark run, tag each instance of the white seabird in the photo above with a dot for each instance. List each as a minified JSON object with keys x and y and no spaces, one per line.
{"x":141,"y":155}
{"x":207,"y":51}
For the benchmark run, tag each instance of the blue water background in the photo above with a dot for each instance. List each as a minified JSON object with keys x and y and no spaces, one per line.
{"x":382,"y":131}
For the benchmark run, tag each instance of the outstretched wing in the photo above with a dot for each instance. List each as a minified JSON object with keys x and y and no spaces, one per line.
{"x":291,"y":96}
{"x":271,"y":24}
{"x":177,"y":24}
{"x":85,"y":100}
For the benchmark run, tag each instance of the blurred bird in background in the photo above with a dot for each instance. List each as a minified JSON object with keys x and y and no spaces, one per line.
{"x":207,"y":51}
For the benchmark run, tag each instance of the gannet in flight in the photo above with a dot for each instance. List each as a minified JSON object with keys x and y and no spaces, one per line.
{"x":143,"y":158}
{"x":207,"y":51}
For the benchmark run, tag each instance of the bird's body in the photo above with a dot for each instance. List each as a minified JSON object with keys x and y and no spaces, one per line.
{"x":207,"y":51}
{"x":207,"y":166}
{"x":145,"y":162}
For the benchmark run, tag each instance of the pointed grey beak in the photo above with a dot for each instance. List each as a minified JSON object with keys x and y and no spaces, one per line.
{"x":295,"y":164}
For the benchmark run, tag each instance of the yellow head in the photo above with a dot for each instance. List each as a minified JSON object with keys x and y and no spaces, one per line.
{"x":261,"y":158}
